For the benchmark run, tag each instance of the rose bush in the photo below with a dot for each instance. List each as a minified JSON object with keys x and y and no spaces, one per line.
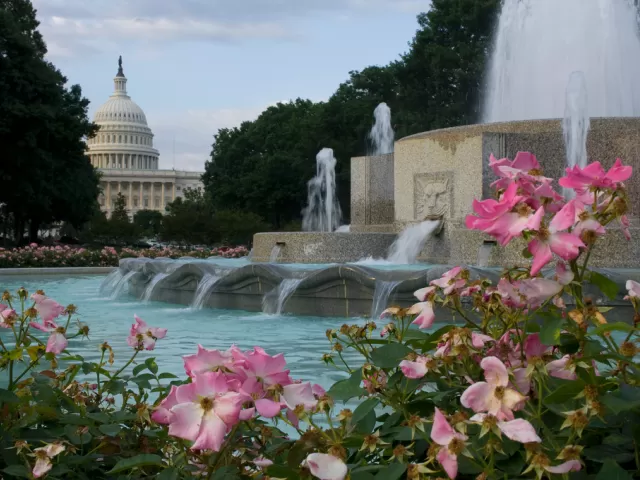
{"x":64,"y":256}
{"x":529,"y":380}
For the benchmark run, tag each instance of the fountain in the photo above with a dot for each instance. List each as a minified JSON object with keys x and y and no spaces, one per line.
{"x":155,"y":281}
{"x":540,"y":91}
{"x":205,"y":285}
{"x":381,"y":134}
{"x":323,"y":213}
{"x":539,"y":43}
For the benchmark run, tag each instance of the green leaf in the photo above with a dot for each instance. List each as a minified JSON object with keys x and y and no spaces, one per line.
{"x":392,"y":472}
{"x":605,"y":284}
{"x":278,"y":471}
{"x":151,"y":365}
{"x":550,"y":331}
{"x":225,"y":473}
{"x":99,"y":417}
{"x":363,"y":409}
{"x":565,"y":392}
{"x":111,"y":429}
{"x":348,"y":388}
{"x":390,"y":355}
{"x":138,"y":461}
{"x":367,"y":423}
{"x":526,"y":253}
{"x":17,"y":471}
{"x":611,"y":327}
{"x":164,"y":375}
{"x":625,"y":399}
{"x":168,"y":474}
{"x":362,"y":476}
{"x":7,"y":396}
{"x":139,"y":368}
{"x":612,"y":471}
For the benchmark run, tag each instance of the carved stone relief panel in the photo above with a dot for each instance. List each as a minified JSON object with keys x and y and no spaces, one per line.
{"x":433,"y":195}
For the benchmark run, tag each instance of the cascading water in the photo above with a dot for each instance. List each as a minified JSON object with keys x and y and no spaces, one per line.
{"x":381,"y":134}
{"x":411,"y":241}
{"x":110,"y":283}
{"x":275,"y":300}
{"x":539,"y":43}
{"x":323,"y":213}
{"x":576,"y":123}
{"x":381,"y":295}
{"x":205,"y":285}
{"x":275,"y":253}
{"x":148,"y":292}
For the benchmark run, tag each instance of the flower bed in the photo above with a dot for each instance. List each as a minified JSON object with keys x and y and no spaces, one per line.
{"x":529,"y":381}
{"x":65,"y":256}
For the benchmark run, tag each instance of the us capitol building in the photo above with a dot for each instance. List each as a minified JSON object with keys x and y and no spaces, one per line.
{"x":123,"y":152}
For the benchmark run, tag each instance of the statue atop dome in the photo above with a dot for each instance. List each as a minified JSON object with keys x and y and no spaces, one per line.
{"x":120,"y":72}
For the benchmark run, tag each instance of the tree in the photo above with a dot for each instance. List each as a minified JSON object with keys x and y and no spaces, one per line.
{"x":148,"y":221}
{"x":189,"y":220}
{"x":45,"y":173}
{"x":121,"y":230}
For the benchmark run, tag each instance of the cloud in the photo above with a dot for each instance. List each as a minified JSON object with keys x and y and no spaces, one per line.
{"x":193,"y":131}
{"x":72,"y":25}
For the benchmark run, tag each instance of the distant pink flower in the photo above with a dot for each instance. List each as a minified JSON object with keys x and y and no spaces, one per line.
{"x":57,"y":341}
{"x":552,"y":240}
{"x":444,"y":435}
{"x":518,"y":430}
{"x":262,"y":462}
{"x":7,"y":316}
{"x":593,"y":175}
{"x":590,"y":224}
{"x":43,"y":458}
{"x":633,"y":288}
{"x":426,"y":315}
{"x":536,"y":291}
{"x":141,"y":336}
{"x":415,"y":369}
{"x":204,"y":412}
{"x":493,"y":396}
{"x":47,"y":308}
{"x":564,"y":276}
{"x":326,"y":467}
{"x":375,"y":381}
{"x":449,"y":282}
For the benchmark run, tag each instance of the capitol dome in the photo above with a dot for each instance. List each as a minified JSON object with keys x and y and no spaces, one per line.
{"x":124,"y":140}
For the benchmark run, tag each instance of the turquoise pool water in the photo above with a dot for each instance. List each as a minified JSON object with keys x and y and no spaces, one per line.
{"x":301,"y":339}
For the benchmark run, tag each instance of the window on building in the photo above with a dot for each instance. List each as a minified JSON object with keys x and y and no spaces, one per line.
{"x":146,"y":202}
{"x":157,"y":203}
{"x":179,"y":188}
{"x":119,"y":138}
{"x":135,"y":202}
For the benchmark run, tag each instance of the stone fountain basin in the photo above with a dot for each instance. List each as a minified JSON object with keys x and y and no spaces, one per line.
{"x":332,"y":291}
{"x":321,"y":247}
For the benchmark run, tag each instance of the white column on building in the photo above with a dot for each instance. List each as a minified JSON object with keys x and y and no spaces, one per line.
{"x":162,"y":198}
{"x":131,"y":197}
{"x":108,"y":196}
{"x":140,"y":205}
{"x":173,"y":193}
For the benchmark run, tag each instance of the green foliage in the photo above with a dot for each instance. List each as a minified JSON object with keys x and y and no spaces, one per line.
{"x":263,"y":166}
{"x":148,"y":221}
{"x":45,"y":173}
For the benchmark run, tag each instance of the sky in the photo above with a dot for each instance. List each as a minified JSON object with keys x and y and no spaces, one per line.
{"x":195,"y":66}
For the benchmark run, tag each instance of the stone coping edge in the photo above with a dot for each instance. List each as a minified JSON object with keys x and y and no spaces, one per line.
{"x":57,"y":271}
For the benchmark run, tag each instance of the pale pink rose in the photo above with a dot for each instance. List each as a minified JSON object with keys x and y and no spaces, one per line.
{"x":562,"y":368}
{"x":57,"y":341}
{"x":448,"y":282}
{"x":326,"y":467}
{"x":47,"y":308}
{"x":426,"y":315}
{"x":43,"y":458}
{"x":565,"y":245}
{"x":142,"y":336}
{"x":205,"y":410}
{"x":264,"y":403}
{"x":564,"y":275}
{"x":538,"y":290}
{"x":299,"y":394}
{"x":518,"y":430}
{"x":6,"y":314}
{"x":417,"y":369}
{"x":262,"y":462}
{"x":443,"y":434}
{"x":493,"y":396}
{"x":423,"y":293}
{"x":566,"y":467}
{"x":162,"y":413}
{"x":207,"y":361}
{"x":268,"y":370}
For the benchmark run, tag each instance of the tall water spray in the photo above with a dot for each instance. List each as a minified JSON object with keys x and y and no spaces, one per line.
{"x":381,"y":135}
{"x":539,"y":43}
{"x":323,"y":213}
{"x":576,"y":122}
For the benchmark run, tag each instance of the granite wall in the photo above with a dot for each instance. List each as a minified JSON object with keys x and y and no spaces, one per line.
{"x":372,"y":190}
